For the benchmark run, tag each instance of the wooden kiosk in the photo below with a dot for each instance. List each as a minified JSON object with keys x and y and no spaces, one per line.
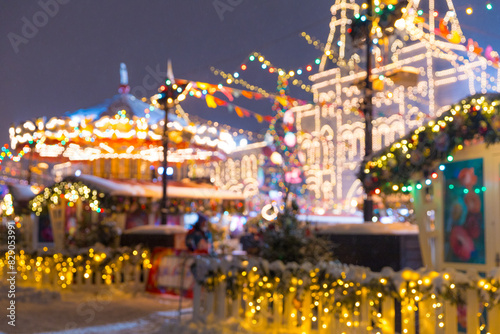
{"x":452,"y":169}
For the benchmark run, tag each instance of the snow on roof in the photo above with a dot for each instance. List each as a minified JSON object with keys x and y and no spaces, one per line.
{"x":21,"y":193}
{"x":154,"y":229}
{"x":369,"y":228}
{"x":126,"y":102}
{"x":130,"y":188}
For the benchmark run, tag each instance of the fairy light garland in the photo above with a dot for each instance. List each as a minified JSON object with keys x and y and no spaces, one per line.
{"x":231,"y":79}
{"x":477,"y":117}
{"x":44,"y":265}
{"x":291,"y":75}
{"x":326,"y":289}
{"x":69,"y":192}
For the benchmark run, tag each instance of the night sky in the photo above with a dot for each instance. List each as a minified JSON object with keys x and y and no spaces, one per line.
{"x":72,"y":60}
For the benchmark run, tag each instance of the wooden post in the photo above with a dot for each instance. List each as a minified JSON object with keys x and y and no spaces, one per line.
{"x":277,"y":310}
{"x":407,"y":316}
{"x":209,"y":306}
{"x":388,"y":316}
{"x":427,"y":316}
{"x":79,"y":276}
{"x":290,"y":316}
{"x":137,"y":275}
{"x":451,"y":318}
{"x":264,"y":311}
{"x":220,"y":301}
{"x":472,"y":302}
{"x":494,"y":319}
{"x":236,"y":305}
{"x":196,"y":302}
{"x":306,"y":313}
{"x":364,"y":310}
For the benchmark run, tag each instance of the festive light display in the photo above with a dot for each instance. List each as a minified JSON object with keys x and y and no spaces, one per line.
{"x":125,"y":128}
{"x":422,"y":151}
{"x":65,"y":270}
{"x":288,"y":75}
{"x":70,"y":192}
{"x":419,"y":67}
{"x":327,"y":295}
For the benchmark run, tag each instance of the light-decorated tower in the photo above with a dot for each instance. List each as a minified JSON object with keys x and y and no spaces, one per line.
{"x":422,"y":67}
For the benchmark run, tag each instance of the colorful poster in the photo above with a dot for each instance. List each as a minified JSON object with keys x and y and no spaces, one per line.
{"x":464,"y":238}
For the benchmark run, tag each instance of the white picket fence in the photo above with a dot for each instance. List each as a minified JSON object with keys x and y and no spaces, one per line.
{"x":50,"y":275}
{"x":273,"y":312}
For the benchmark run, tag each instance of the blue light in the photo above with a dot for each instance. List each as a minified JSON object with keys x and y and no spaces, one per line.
{"x":78,"y":172}
{"x":428,"y":182}
{"x":442,"y":167}
{"x":264,"y":66}
{"x":170,"y":171}
{"x":299,"y":71}
{"x":160,"y":170}
{"x":363,"y":18}
{"x":236,"y":74}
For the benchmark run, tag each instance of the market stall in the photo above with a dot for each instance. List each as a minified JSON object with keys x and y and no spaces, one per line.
{"x":452,"y":169}
{"x":83,"y":209}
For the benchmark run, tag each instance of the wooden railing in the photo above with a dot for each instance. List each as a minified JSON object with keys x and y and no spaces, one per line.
{"x":341,"y":299}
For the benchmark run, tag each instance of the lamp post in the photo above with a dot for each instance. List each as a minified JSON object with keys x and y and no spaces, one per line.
{"x":387,"y":13}
{"x":368,"y":112}
{"x":169,"y":95}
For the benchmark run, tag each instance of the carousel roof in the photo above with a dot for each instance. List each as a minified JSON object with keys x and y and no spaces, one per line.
{"x":175,"y":189}
{"x":121,"y":127}
{"x":129,"y":103}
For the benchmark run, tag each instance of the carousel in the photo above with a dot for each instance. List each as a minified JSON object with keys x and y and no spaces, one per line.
{"x":107,"y":163}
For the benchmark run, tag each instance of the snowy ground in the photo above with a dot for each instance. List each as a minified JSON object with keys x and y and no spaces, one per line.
{"x":104,"y":311}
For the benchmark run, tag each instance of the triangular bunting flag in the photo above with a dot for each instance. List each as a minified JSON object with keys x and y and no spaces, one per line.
{"x":210,"y":101}
{"x":238,"y":110}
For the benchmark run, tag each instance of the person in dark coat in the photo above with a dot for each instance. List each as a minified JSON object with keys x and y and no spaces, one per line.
{"x":197,"y":239}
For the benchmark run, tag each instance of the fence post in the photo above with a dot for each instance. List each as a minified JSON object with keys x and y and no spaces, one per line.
{"x":323,"y":317}
{"x":306,"y":312}
{"x":236,"y":305}
{"x":264,"y":311}
{"x":388,"y":316}
{"x":196,"y":302}
{"x":364,"y":310}
{"x":137,"y":275}
{"x":451,"y":318}
{"x":220,"y":300}
{"x":289,"y":315}
{"x":427,"y":316}
{"x":145,"y":274}
{"x":494,"y":319}
{"x":472,"y":307}
{"x":209,"y":305}
{"x":407,"y":316}
{"x":277,"y":310}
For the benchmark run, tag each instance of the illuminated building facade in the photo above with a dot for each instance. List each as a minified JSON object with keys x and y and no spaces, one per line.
{"x":420,"y":69}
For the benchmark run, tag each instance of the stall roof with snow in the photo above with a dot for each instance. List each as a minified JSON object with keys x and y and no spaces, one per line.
{"x":419,"y":154}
